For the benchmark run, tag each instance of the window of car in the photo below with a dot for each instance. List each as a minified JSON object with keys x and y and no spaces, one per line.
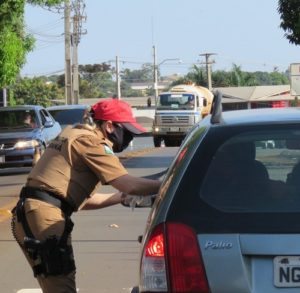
{"x":231,"y":182}
{"x":176,"y":101}
{"x":255,"y":172}
{"x":45,"y":116}
{"x":18,"y":119}
{"x":68,"y":116}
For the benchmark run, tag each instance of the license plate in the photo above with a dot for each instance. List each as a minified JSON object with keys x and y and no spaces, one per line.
{"x":2,"y":159}
{"x":287,"y":271}
{"x":174,"y":129}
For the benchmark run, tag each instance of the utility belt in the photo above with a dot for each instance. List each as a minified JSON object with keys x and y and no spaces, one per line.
{"x":47,"y":196}
{"x":52,"y":256}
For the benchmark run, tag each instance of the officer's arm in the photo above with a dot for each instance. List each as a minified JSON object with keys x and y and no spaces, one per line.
{"x":102,"y":200}
{"x":136,"y":185}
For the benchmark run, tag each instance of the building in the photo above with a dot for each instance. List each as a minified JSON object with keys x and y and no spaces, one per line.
{"x":250,"y":97}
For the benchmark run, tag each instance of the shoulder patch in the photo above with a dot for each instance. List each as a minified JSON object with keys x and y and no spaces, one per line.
{"x":108,"y":150}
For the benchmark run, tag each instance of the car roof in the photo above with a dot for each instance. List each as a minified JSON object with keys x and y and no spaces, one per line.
{"x":260,"y":116}
{"x":21,"y":107}
{"x":67,"y":107}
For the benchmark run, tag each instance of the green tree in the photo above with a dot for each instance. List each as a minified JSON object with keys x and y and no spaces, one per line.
{"x":197,"y":75}
{"x":295,"y":102}
{"x":88,"y":71}
{"x":237,"y":76}
{"x":278,"y":78}
{"x":221,"y":78}
{"x":95,"y":80}
{"x":138,"y":75}
{"x":289,"y":11}
{"x":14,"y":42}
{"x":87,"y":91}
{"x":104,"y":83}
{"x":36,"y":91}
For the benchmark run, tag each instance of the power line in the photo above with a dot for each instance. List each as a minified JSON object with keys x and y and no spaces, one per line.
{"x":46,"y":73}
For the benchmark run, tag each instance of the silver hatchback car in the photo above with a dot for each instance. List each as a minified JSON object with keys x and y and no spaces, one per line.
{"x":227,"y":218}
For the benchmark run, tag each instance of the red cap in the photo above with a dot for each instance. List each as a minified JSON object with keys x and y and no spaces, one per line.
{"x":117,"y":111}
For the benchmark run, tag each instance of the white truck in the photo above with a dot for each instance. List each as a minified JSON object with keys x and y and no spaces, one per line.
{"x":177,"y":111}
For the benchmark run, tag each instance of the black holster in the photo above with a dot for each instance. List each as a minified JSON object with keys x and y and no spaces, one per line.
{"x":52,"y":256}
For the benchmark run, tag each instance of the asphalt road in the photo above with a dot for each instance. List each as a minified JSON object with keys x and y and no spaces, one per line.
{"x":105,"y":241}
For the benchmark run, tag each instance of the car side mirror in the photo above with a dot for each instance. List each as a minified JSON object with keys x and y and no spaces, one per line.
{"x":48,"y":123}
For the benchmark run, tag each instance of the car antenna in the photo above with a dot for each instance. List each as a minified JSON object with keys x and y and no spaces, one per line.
{"x":216,"y":109}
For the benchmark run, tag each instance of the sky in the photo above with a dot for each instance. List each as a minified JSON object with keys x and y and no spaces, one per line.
{"x":245,"y":33}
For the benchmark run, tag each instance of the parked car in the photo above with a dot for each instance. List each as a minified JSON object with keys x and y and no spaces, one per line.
{"x":25,"y":131}
{"x":68,"y":114}
{"x":226,"y":218}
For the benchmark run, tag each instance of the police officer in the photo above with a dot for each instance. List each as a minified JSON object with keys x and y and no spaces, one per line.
{"x":65,"y":180}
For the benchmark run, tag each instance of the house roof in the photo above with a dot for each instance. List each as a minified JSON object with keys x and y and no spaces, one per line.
{"x":255,"y":93}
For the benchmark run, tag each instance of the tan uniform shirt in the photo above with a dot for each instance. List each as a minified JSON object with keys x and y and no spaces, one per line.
{"x":75,"y":163}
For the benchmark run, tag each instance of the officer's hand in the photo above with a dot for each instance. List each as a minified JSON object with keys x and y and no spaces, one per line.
{"x":137,"y":200}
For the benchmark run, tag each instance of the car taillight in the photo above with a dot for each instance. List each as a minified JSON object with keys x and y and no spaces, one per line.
{"x":172,"y":262}
{"x":153,"y":276}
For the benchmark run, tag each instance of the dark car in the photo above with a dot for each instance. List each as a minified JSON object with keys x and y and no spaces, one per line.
{"x":25,"y":131}
{"x":226,"y":219}
{"x":68,"y":114}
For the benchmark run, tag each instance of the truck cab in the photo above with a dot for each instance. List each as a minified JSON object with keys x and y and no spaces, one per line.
{"x":177,"y":111}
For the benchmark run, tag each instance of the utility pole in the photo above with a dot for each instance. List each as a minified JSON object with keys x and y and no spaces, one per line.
{"x":118,"y":79}
{"x":208,"y":68}
{"x":77,"y":32}
{"x":155,"y":79}
{"x":68,"y":74}
{"x":3,"y":97}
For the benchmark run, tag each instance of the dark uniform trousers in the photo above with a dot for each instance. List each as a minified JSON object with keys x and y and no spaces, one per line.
{"x":45,"y":220}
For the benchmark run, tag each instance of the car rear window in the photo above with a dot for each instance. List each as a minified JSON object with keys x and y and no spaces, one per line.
{"x":256,"y":172}
{"x":68,"y":116}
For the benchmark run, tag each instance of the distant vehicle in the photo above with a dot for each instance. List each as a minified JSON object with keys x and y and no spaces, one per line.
{"x":177,"y":111}
{"x":226,"y":218}
{"x":68,"y":114}
{"x":25,"y":131}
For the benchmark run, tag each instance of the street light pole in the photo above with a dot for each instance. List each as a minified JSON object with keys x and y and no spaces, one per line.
{"x":156,"y":67}
{"x":118,"y":79}
{"x":155,"y":85}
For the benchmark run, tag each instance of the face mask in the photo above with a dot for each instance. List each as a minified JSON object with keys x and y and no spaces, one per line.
{"x":120,"y":138}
